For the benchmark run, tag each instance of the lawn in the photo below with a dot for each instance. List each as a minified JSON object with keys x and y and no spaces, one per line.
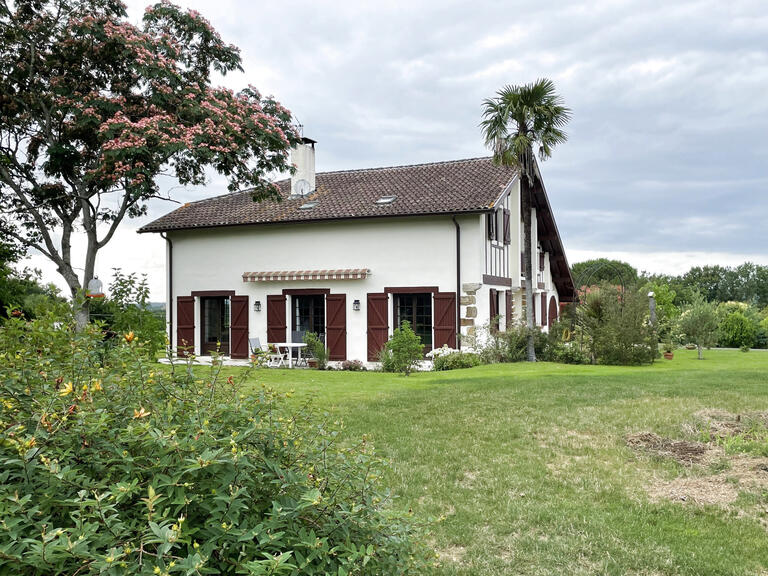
{"x":529,"y":468}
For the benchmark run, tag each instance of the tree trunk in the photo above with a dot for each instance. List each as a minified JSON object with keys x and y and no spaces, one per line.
{"x":525,"y":196}
{"x":82,"y":315}
{"x":701,"y":351}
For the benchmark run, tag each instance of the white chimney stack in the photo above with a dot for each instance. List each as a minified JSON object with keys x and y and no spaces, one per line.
{"x":303,"y":157}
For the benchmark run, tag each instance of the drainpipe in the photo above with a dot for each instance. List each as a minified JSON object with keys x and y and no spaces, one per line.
{"x":170,"y":289}
{"x":458,"y":282}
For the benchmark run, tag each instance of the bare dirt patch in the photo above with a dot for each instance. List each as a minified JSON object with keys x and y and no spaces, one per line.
{"x":451,"y":554}
{"x":683,"y":451}
{"x":716,"y":477}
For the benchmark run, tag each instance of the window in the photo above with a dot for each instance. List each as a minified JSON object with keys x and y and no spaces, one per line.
{"x":308,"y":314}
{"x":491,"y":221}
{"x":416,"y":309}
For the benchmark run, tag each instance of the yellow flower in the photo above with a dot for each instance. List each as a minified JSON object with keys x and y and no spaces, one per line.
{"x":129,"y":337}
{"x":96,"y":386}
{"x":140,"y":413}
{"x":66,"y":390}
{"x":85,"y":387}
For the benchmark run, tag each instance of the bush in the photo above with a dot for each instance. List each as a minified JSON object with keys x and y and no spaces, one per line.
{"x":110,"y":465}
{"x":403,"y":352}
{"x":615,"y":327}
{"x":353,"y":365}
{"x":698,"y":323}
{"x":454,"y":360}
{"x":737,"y":328}
{"x":317,"y":349}
{"x":510,"y":345}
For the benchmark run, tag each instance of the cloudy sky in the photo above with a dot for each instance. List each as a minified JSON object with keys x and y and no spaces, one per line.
{"x":666,"y":165}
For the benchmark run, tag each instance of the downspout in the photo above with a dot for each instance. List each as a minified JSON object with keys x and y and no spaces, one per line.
{"x":170,"y":290}
{"x":458,"y":282}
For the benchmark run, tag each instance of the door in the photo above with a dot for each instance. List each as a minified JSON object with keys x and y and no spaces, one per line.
{"x":214,"y":324}
{"x":336,"y":327}
{"x":378,"y":325}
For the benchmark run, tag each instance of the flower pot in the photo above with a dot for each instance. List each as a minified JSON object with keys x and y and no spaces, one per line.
{"x":669,"y":355}
{"x":312,"y":362}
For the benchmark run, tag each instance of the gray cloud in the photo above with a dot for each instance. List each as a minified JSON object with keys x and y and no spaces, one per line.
{"x":667,"y":147}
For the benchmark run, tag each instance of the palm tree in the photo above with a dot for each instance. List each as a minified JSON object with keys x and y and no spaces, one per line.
{"x":517,"y":122}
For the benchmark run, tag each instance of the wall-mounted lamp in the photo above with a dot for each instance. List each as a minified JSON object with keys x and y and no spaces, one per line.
{"x":356,"y":305}
{"x":257,"y":306}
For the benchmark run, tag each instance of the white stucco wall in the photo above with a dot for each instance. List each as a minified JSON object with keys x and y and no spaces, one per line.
{"x":399,"y":253}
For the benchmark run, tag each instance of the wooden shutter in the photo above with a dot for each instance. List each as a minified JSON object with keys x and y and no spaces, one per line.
{"x":507,"y":228}
{"x":336,"y":326}
{"x":378,"y":325}
{"x":239,"y":327}
{"x":276,"y":326}
{"x":541,"y":261}
{"x":444,"y":319}
{"x":494,"y":309}
{"x":185,"y":325}
{"x":509,"y":312}
{"x":543,"y":308}
{"x":552,"y":310}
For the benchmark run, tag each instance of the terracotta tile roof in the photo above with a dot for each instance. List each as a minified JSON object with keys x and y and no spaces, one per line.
{"x":443,"y":187}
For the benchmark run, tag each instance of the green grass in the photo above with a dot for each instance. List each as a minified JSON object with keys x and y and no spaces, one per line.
{"x":529,"y":467}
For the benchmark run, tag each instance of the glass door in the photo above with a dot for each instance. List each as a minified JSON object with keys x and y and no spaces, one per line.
{"x":214,"y":325}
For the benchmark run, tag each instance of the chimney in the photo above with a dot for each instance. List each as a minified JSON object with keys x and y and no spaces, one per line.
{"x":303,"y":156}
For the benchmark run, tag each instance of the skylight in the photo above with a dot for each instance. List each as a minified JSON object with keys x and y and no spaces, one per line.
{"x":386,"y":200}
{"x":308,"y":205}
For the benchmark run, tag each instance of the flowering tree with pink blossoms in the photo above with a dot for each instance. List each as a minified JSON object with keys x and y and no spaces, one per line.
{"x":93,"y":108}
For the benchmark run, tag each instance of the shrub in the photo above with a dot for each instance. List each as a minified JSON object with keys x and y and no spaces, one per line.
{"x":737,"y":328}
{"x":455,"y":360}
{"x":353,"y":365}
{"x":110,"y":465}
{"x":510,"y":345}
{"x":403,"y":352}
{"x":615,"y":327}
{"x":317,"y":349}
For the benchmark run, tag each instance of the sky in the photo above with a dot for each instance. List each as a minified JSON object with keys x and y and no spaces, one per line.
{"x":666,"y":163}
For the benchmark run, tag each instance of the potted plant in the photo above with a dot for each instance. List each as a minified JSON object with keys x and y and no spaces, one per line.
{"x":318,"y":357}
{"x":668,"y":354}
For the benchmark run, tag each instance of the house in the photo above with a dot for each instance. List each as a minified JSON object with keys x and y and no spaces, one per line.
{"x":351,"y":254}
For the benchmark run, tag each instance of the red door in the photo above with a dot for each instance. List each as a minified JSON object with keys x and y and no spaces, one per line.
{"x":276,"y":325}
{"x":185,"y":325}
{"x":336,"y":326}
{"x":378,"y":325}
{"x":239,"y":327}
{"x":445,"y":319}
{"x":543,"y":308}
{"x":552,"y":310}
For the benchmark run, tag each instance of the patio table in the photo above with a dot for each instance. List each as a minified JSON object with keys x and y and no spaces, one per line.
{"x":291,"y":346}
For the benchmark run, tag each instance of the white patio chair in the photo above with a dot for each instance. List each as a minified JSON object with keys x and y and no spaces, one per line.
{"x":277,"y":358}
{"x":259,"y":353}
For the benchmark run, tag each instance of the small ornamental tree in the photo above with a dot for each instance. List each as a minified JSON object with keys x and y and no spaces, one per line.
{"x":93,"y":108}
{"x":699,"y":323}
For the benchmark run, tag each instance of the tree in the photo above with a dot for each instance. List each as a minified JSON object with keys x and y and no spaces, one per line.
{"x":698,"y":323}
{"x":517,"y":122}
{"x":599,"y":270}
{"x":92,"y":109}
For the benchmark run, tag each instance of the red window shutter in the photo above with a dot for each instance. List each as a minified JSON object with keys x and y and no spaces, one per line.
{"x":336,"y":326}
{"x":543,"y":308}
{"x":507,"y":228}
{"x":239,"y":327}
{"x":378,"y":325}
{"x":444,"y":319}
{"x":185,"y":325}
{"x":276,"y":326}
{"x":552,"y":310}
{"x":509,"y":304}
{"x":494,"y":309}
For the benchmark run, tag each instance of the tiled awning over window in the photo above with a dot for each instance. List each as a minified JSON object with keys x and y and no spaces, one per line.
{"x":306,"y":275}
